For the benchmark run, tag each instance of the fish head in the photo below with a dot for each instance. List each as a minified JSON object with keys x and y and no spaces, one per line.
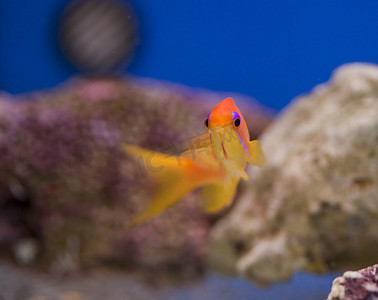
{"x":229,"y":135}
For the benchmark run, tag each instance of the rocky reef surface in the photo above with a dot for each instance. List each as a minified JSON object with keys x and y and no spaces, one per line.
{"x":314,"y":206}
{"x":67,"y":190}
{"x":362,"y":284}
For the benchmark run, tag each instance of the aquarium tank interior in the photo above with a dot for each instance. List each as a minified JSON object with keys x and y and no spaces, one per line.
{"x":188,"y":149}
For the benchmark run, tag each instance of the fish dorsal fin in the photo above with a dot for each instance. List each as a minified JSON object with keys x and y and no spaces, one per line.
{"x":200,"y":152}
{"x":256,"y":155}
{"x":196,"y":142}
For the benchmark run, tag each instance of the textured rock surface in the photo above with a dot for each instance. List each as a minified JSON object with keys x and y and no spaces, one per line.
{"x":314,"y":206}
{"x":67,"y":191}
{"x":362,"y":284}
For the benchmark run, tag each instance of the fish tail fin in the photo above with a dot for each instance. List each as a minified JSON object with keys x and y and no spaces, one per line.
{"x":256,"y":155}
{"x":168,"y":176}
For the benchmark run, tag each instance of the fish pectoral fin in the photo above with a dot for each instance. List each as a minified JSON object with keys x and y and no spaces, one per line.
{"x":243,"y":174}
{"x":219,"y":195}
{"x":256,"y":155}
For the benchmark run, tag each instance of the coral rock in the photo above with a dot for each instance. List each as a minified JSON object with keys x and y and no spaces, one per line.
{"x":314,"y":206}
{"x":359,"y":285}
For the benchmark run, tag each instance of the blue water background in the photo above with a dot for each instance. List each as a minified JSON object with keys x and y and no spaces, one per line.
{"x":269,"y":50}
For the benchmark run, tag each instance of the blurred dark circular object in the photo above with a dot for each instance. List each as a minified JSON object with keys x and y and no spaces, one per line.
{"x":98,"y":36}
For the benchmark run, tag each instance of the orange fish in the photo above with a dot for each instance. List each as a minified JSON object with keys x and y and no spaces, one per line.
{"x":216,"y":165}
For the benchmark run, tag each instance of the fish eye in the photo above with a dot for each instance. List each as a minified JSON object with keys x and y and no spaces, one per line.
{"x":237,"y":122}
{"x":207,"y":121}
{"x":236,"y":118}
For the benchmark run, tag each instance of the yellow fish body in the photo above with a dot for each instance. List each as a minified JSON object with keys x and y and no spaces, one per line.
{"x":216,"y":165}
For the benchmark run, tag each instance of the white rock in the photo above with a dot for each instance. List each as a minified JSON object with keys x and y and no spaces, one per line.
{"x":319,"y":188}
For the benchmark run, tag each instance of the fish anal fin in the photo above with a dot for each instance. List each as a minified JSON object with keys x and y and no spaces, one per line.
{"x":218,"y":196}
